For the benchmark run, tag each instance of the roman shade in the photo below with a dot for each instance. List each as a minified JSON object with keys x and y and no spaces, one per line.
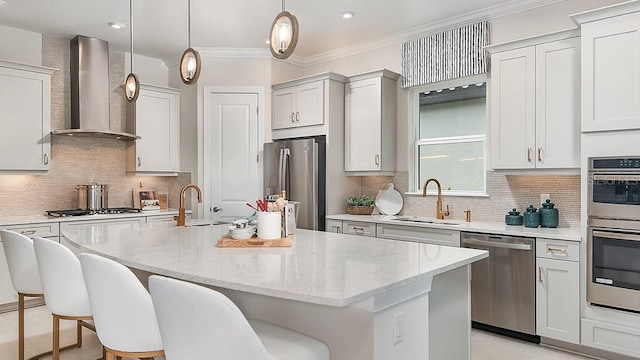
{"x":447,"y":55}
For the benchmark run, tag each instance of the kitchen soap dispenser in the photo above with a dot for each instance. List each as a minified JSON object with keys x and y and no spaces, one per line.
{"x":548,"y":215}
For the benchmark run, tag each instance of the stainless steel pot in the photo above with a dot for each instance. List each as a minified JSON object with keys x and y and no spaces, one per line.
{"x":93,"y":196}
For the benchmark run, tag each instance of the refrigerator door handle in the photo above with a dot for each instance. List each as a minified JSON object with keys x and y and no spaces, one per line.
{"x":284,"y":154}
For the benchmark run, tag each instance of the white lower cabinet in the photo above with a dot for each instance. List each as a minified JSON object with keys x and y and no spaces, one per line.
{"x":8,"y":295}
{"x":334,"y":226}
{"x":419,"y":234}
{"x":558,"y":290}
{"x":611,"y":337}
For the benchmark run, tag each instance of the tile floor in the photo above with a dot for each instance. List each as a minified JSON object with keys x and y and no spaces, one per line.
{"x":484,"y":345}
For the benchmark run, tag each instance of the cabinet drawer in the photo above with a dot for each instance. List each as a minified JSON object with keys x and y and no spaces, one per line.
{"x":35,"y":230}
{"x":359,"y":228}
{"x":419,"y":234}
{"x":611,"y":337}
{"x":557,"y":249}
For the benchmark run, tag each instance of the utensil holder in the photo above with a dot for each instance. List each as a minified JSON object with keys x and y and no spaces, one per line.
{"x":269,"y":225}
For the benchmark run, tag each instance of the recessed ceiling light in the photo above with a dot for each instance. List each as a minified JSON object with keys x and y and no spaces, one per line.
{"x":116,"y":25}
{"x":348,"y":14}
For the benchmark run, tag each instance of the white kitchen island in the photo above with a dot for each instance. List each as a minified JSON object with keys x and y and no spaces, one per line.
{"x":366,"y":298}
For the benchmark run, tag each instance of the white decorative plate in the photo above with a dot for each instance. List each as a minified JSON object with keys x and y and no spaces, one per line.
{"x":389,"y":202}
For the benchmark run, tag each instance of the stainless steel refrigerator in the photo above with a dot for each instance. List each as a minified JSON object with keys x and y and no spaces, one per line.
{"x":299,"y":166}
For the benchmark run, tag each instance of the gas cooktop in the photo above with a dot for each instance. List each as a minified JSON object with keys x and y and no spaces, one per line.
{"x":80,"y":212}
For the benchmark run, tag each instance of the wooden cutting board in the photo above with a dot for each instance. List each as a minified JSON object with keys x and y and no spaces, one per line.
{"x":228,"y":241}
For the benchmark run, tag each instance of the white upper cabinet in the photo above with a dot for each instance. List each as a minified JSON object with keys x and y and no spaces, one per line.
{"x":155,"y":117}
{"x":309,"y":106}
{"x":298,"y":105}
{"x":25,"y":117}
{"x":370,"y":123}
{"x":535,"y":103}
{"x":610,"y":68}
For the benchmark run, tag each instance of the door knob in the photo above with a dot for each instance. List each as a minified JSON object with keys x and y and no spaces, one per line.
{"x":216,"y":209}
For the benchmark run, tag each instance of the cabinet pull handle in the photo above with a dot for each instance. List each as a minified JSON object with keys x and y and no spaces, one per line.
{"x":540,"y":153}
{"x":377,"y":159}
{"x":27,"y":232}
{"x":540,"y":274}
{"x":297,"y":116}
{"x":337,"y":229}
{"x":554,"y":250}
{"x":358,"y":230}
{"x":293,"y":119}
{"x":139,"y":162}
{"x":529,"y":154}
{"x":46,"y":159}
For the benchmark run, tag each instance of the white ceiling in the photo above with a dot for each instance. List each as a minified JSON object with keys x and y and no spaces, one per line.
{"x":160,"y":26}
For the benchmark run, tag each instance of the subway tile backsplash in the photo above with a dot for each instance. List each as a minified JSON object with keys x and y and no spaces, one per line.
{"x":505,"y":193}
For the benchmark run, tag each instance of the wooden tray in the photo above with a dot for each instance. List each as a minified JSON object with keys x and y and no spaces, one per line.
{"x":228,"y":241}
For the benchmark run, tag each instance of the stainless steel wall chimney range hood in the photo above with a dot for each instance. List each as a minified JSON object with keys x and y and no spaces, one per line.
{"x":90,"y":91}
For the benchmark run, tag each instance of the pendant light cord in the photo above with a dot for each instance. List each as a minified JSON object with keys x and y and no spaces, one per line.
{"x":282,"y":5}
{"x":189,"y":23}
{"x":131,"y":32}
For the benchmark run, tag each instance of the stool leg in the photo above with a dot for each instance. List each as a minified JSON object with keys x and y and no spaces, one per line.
{"x":79,"y":333}
{"x":56,"y":338}
{"x":20,"y":326}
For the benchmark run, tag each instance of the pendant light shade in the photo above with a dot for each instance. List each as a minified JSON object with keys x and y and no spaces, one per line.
{"x":190,"y":62}
{"x":284,"y":34}
{"x":132,"y":87}
{"x":131,"y":84}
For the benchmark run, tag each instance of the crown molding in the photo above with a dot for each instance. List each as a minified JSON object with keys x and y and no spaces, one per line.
{"x":512,"y":7}
{"x":488,"y":13}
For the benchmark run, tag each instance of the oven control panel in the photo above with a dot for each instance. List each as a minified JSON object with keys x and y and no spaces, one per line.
{"x":615,"y":164}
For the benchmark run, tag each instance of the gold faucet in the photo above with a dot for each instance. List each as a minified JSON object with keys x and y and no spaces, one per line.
{"x":181,"y":218}
{"x":439,"y":213}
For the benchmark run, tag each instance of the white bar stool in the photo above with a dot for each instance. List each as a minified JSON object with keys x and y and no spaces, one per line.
{"x":64,"y":291}
{"x":201,"y":323}
{"x":122,"y":309}
{"x":25,"y":277}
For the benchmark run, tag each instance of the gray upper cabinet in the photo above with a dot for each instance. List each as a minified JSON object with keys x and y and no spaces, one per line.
{"x":535,"y":103}
{"x":370,"y":123}
{"x":155,"y":117}
{"x":25,"y":117}
{"x":610,"y":71}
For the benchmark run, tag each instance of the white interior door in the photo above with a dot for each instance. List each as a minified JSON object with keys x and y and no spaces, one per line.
{"x":231,"y":170}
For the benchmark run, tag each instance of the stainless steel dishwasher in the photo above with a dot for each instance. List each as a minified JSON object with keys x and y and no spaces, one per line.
{"x":503,"y":293}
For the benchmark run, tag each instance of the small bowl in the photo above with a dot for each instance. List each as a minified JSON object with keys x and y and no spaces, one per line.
{"x":240,"y":223}
{"x":241,"y":236}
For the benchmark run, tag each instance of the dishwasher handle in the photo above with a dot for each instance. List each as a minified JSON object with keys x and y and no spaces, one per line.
{"x":496,"y":244}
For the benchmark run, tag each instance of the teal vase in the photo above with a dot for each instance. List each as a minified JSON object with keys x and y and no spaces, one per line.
{"x":549,"y":216}
{"x":531,"y":217}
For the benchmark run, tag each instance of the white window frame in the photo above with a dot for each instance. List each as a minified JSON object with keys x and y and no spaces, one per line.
{"x":450,"y":140}
{"x":415,"y":188}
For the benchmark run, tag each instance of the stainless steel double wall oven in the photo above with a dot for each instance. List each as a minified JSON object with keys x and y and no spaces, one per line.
{"x":613,"y":233}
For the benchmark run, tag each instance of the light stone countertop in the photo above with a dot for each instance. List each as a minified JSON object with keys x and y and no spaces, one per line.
{"x":321,"y":268}
{"x":43,"y":218}
{"x":569,"y":234}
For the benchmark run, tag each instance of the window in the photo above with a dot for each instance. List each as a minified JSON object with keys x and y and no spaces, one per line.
{"x":450,"y":139}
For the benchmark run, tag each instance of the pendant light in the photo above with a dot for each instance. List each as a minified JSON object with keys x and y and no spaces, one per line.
{"x":190,"y":61}
{"x":284,"y":34}
{"x":132,"y":84}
